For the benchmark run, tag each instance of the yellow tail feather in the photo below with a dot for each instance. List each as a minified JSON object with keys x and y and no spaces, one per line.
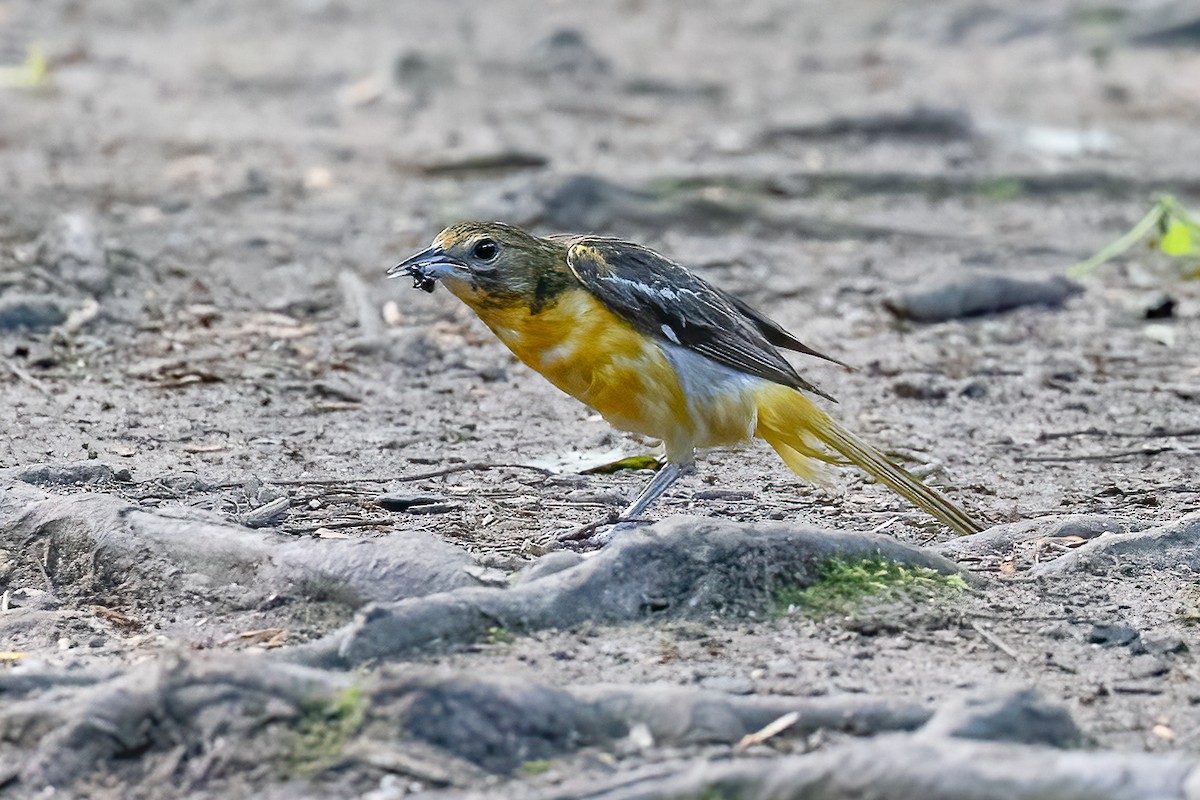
{"x":793,"y":426}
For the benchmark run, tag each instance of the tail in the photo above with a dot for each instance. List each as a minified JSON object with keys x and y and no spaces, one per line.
{"x":797,"y":429}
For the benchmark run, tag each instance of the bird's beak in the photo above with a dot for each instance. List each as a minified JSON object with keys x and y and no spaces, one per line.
{"x":425,"y":268}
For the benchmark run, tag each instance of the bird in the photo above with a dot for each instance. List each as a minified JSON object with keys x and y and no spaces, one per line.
{"x":655,"y":350}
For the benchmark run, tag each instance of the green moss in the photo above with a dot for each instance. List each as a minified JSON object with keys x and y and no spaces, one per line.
{"x":713,"y":793}
{"x":1104,"y":16}
{"x":324,"y":729}
{"x":537,"y":766}
{"x":843,"y":585}
{"x":498,"y":635}
{"x":1001,"y":190}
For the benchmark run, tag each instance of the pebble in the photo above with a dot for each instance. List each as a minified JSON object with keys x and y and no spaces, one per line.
{"x":268,"y":514}
{"x":1113,"y":635}
{"x":567,"y":52}
{"x":395,"y":501}
{"x":31,"y":312}
{"x":723,"y":494}
{"x":978,"y":295}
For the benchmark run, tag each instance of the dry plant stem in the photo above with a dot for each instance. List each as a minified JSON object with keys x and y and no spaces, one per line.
{"x":420,"y":476}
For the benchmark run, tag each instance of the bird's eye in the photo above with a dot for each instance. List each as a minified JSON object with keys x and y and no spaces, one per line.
{"x":485,"y":250}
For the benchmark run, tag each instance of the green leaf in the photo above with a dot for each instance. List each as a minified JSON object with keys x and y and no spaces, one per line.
{"x":1131,"y":237}
{"x":631,"y":462}
{"x":1177,"y":241}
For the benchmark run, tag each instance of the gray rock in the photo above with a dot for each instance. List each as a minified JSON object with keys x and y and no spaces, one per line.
{"x":1163,"y":646}
{"x":918,"y":123}
{"x":66,"y":475}
{"x":566,"y":53}
{"x":31,"y":312}
{"x":980,"y":294}
{"x":1114,"y":636}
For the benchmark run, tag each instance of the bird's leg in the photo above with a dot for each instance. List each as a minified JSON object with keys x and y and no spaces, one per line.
{"x":601,"y":532}
{"x":667,"y":474}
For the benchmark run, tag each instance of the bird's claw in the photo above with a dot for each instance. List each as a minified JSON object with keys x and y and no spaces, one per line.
{"x":597,"y":534}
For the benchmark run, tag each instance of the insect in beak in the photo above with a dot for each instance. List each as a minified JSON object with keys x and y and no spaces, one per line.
{"x":425,"y":268}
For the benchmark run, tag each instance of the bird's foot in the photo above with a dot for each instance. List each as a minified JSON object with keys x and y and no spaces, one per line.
{"x":596,"y":534}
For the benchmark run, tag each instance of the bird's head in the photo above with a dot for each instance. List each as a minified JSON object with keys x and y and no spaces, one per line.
{"x":487,"y":263}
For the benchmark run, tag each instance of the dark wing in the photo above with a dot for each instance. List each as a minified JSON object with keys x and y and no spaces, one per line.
{"x":773,"y":331}
{"x":663,"y":300}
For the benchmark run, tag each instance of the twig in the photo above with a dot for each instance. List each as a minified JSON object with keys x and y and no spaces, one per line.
{"x":420,"y":476}
{"x":1116,"y":248}
{"x":769,"y":730}
{"x":995,"y":641}
{"x":25,"y":377}
{"x":1145,"y":451}
{"x":41,"y":564}
{"x":345,"y":523}
{"x":585,"y":531}
{"x":1156,"y":433}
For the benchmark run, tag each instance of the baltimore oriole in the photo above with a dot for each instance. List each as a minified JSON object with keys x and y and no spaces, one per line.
{"x":654,"y":349}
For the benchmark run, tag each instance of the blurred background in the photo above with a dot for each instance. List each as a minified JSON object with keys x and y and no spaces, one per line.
{"x":310,"y":132}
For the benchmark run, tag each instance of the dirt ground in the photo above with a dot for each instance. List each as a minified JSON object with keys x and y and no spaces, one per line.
{"x":206,"y":195}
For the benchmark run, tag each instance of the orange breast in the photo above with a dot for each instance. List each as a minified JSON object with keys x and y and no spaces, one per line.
{"x":595,"y":356}
{"x":600,"y":359}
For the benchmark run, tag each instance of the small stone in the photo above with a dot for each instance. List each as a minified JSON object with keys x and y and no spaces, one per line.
{"x":394,"y":501}
{"x":393,"y":317}
{"x":29,"y":597}
{"x":1167,"y":645}
{"x":1113,"y":635}
{"x":565,"y":52}
{"x":973,"y":390}
{"x":981,"y":294}
{"x":50,"y":475}
{"x":268,"y":514}
{"x":31,"y":312}
{"x":912,"y":390}
{"x":1158,"y":306}
{"x":723,"y":494}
